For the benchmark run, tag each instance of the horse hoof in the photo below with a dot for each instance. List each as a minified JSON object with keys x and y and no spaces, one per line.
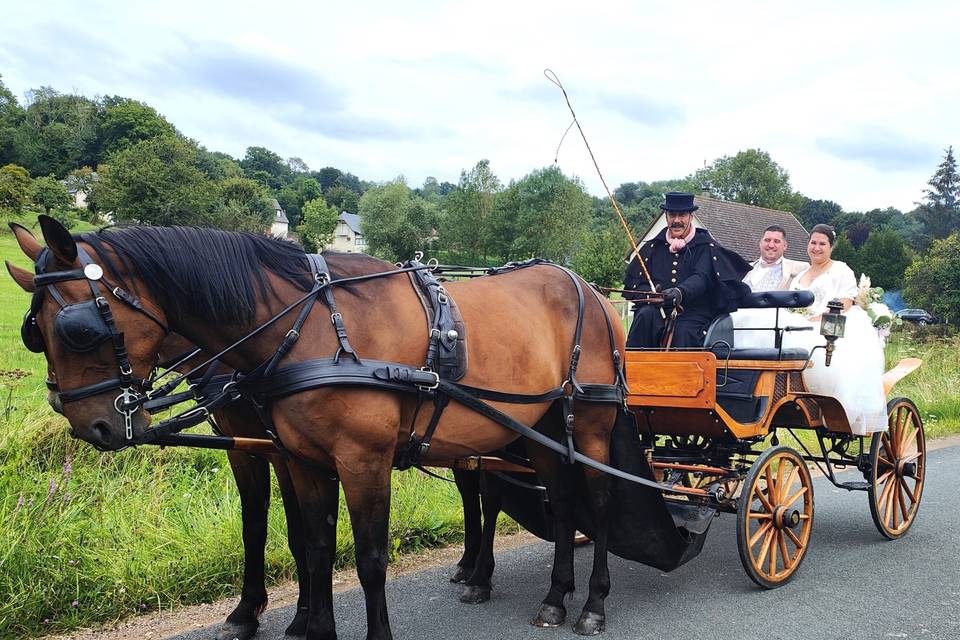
{"x":549,"y":616}
{"x":461,"y":575}
{"x":298,"y":628}
{"x":589,"y":624}
{"x":475,"y":594}
{"x":237,"y":630}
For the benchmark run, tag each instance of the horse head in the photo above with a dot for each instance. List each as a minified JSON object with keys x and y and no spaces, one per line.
{"x":100,"y":342}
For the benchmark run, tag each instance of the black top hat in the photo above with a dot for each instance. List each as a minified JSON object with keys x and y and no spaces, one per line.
{"x":679,"y":202}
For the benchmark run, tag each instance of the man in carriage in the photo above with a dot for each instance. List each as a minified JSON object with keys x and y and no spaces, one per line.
{"x":697,"y":277}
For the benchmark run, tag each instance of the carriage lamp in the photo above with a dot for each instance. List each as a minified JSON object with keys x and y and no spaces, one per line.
{"x":831,"y":326}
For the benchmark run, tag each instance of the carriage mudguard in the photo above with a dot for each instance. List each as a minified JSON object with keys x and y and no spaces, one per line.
{"x":644,"y":527}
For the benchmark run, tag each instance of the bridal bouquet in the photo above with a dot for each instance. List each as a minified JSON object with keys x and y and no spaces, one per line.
{"x":870,"y":299}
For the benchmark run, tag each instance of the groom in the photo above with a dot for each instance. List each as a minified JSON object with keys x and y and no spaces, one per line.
{"x":773,"y":272}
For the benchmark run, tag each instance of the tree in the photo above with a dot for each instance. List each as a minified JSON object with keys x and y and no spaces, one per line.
{"x":940,"y":209}
{"x":243,"y":205}
{"x":126,"y":122}
{"x":265,"y":166}
{"x":600,"y":256}
{"x":14,"y":187}
{"x":49,"y":193}
{"x":468,"y":212}
{"x":157,"y":181}
{"x":814,"y":212}
{"x":319,"y":222}
{"x":845,"y":252}
{"x":58,"y":133}
{"x":11,"y":116}
{"x":341,"y":198}
{"x":884,"y":257}
{"x":541,"y":215}
{"x":327,"y":177}
{"x":750,"y":177}
{"x":933,"y":280}
{"x":395,"y":222}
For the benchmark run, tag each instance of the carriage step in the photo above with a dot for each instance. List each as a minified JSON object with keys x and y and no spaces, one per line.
{"x":854,"y":486}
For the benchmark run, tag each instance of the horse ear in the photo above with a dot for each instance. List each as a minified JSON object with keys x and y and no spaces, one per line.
{"x":58,"y":240}
{"x":23,"y":277}
{"x":28,"y":243}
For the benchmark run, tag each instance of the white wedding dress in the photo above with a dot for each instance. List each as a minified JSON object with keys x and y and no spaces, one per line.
{"x":854,"y":376}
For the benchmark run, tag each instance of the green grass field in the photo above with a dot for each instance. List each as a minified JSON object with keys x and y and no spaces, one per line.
{"x":87,"y":538}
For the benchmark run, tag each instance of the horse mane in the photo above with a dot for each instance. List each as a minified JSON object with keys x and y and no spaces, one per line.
{"x":216,"y":273}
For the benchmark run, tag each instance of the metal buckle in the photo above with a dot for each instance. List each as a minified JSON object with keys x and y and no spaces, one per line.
{"x":336,"y":317}
{"x":435,"y":334}
{"x":293,"y":332}
{"x":126,"y":372}
{"x":434,"y":384}
{"x":126,"y":397}
{"x":101,"y":302}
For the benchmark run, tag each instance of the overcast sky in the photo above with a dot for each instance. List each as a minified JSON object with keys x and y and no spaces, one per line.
{"x":857,"y":103}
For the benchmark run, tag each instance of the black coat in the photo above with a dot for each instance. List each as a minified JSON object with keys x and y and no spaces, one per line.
{"x":710,"y":277}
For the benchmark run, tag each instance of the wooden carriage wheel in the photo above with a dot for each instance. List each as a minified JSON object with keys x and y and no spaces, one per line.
{"x":898,"y":465}
{"x":775,"y":516}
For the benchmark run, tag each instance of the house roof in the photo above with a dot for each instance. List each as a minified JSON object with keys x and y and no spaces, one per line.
{"x":739,"y":227}
{"x":281,"y":215}
{"x":352,"y":220}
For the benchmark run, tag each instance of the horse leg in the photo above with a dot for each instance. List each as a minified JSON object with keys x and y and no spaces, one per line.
{"x":253,"y":482}
{"x":561,"y":491}
{"x":469,"y":487}
{"x":594,"y":442}
{"x":297,"y":545}
{"x":317,"y":496}
{"x":593,"y":617}
{"x":478,"y":586}
{"x":366,"y":486}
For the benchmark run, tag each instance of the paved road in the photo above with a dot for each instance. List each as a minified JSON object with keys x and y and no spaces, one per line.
{"x":853,"y":585}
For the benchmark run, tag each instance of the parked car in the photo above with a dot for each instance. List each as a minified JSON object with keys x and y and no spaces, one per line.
{"x":918,"y":316}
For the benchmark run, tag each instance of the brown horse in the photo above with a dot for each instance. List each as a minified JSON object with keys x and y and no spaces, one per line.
{"x":217,"y":287}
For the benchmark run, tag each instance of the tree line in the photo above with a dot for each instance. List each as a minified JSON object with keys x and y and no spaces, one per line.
{"x":134,"y":164}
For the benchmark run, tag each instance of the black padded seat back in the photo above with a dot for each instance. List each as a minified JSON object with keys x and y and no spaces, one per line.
{"x":720,"y":332}
{"x":776,"y":299}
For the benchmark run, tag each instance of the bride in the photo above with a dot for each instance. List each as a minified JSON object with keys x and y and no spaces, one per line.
{"x":854,"y":376}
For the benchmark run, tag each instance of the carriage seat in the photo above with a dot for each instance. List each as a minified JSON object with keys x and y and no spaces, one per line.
{"x":720,"y":335}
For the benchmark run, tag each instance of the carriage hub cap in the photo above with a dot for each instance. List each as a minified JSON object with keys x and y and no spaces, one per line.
{"x":784,"y":518}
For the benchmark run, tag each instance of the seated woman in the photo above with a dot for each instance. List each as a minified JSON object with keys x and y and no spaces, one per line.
{"x":854,"y":376}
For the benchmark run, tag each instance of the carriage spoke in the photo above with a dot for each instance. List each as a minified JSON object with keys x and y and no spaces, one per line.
{"x":888,"y":503}
{"x":782,"y":541}
{"x":773,"y":554}
{"x":901,"y":501}
{"x":912,"y":492}
{"x":764,"y":548}
{"x":763,"y":499}
{"x":776,"y":494}
{"x":789,"y":501}
{"x":905,"y":441}
{"x":883,"y":478}
{"x":789,"y":483}
{"x":755,"y":515}
{"x":761,"y":530}
{"x":794,"y":539}
{"x":883,"y":461}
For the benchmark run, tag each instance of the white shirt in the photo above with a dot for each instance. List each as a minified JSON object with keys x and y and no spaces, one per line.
{"x":764,"y":276}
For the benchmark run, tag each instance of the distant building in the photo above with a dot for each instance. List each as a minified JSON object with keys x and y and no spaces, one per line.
{"x":739,"y":227}
{"x":347,"y":237}
{"x":280,"y":225}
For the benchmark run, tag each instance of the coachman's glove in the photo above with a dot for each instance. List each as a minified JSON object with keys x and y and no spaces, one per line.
{"x":672,"y":297}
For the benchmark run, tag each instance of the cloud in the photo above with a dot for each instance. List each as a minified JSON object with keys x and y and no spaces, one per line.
{"x":344,"y":126}
{"x":259,"y":79}
{"x":879,"y":148}
{"x":644,"y":110}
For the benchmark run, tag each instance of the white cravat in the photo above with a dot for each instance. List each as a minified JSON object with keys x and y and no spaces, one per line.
{"x":766,"y":277}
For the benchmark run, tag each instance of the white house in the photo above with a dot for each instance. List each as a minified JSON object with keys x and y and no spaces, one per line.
{"x":280,"y":225}
{"x":347,"y":237}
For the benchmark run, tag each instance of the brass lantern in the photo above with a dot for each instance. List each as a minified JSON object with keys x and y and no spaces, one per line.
{"x":832,"y":324}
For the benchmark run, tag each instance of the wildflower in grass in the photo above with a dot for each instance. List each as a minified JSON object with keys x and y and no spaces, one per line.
{"x":52,"y":488}
{"x":143,"y":605}
{"x":19,"y":504}
{"x":75,"y":603}
{"x":71,"y":562}
{"x":46,"y":621}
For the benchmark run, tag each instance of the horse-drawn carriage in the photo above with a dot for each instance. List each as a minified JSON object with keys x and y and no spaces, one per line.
{"x":709,"y":425}
{"x":665,"y":439}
